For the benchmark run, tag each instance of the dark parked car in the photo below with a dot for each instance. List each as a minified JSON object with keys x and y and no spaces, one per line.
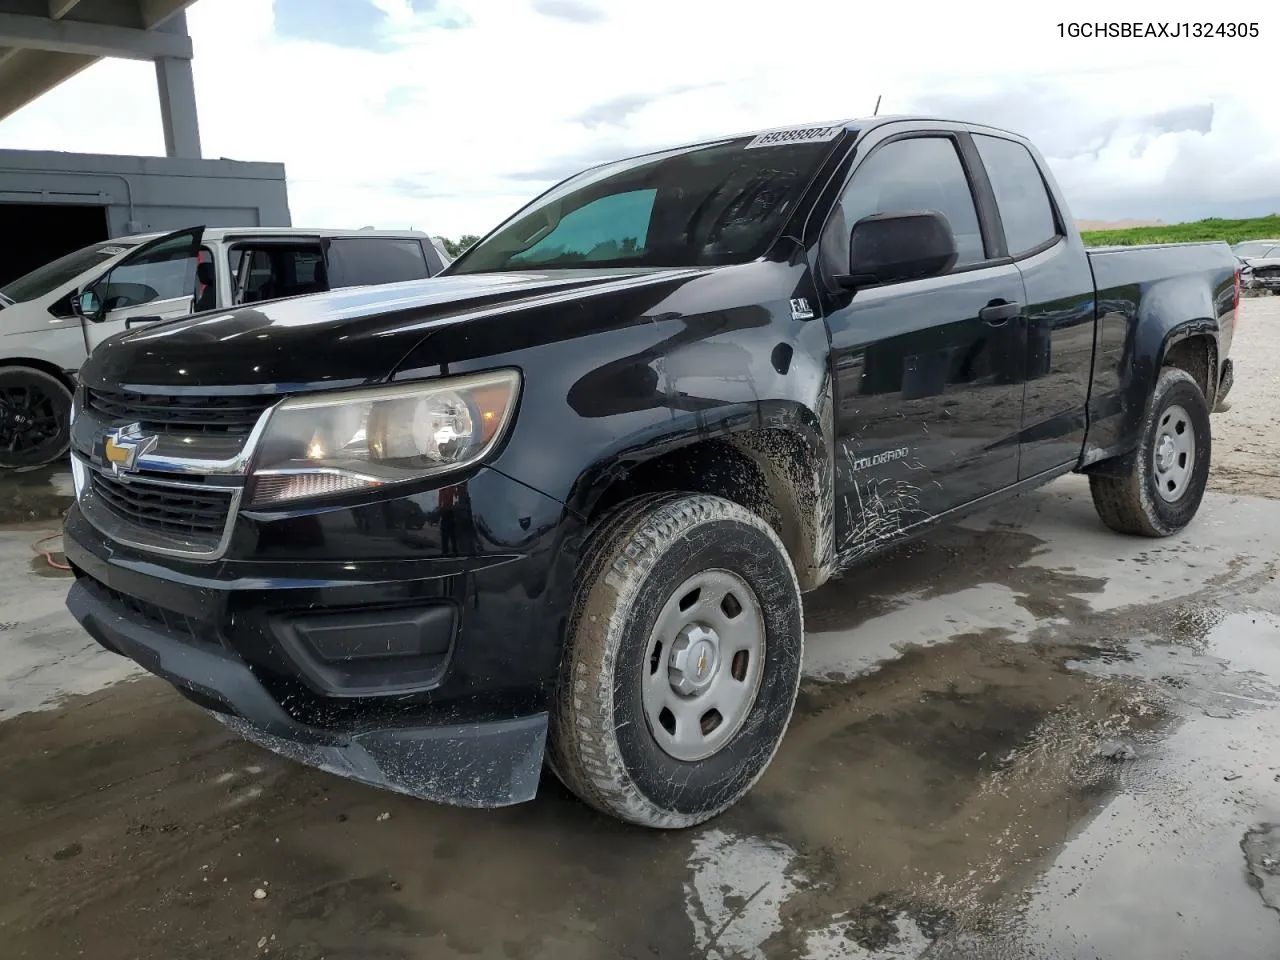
{"x":561,"y":503}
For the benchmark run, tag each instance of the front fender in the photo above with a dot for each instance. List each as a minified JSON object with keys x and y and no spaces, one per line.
{"x":774,"y":457}
{"x":621,"y":378}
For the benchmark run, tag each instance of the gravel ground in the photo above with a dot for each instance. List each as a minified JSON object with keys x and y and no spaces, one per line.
{"x":1246,"y":438}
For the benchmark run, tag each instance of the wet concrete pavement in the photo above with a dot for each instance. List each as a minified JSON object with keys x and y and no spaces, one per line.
{"x":1023,"y":736}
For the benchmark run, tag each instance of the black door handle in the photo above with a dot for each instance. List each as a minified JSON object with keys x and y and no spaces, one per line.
{"x":998,"y":314}
{"x":133,"y":321}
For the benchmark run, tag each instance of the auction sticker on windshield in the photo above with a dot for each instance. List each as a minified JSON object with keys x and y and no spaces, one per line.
{"x":775,"y":138}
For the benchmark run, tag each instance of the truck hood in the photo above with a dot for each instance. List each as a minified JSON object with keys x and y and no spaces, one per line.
{"x":343,"y":338}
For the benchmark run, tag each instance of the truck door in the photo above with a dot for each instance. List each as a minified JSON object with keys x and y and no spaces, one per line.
{"x":1060,"y":306}
{"x":928,"y":373}
{"x":156,"y":282}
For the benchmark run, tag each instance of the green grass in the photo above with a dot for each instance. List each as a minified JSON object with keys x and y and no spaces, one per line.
{"x":1232,"y":231}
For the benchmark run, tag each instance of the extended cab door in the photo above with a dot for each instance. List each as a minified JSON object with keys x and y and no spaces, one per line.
{"x":928,"y":373}
{"x":156,"y":282}
{"x":1060,"y":304}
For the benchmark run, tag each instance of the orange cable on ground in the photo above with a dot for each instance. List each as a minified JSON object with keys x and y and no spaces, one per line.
{"x":48,"y":554}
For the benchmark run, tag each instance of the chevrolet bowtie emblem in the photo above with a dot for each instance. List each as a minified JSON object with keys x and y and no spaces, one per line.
{"x":124,"y":445}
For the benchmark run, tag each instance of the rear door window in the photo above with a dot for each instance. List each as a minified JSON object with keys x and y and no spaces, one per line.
{"x":270,"y":271}
{"x":355,"y":261}
{"x":1021,"y":195}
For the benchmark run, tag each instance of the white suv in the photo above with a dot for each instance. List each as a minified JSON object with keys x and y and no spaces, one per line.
{"x":51,"y":318}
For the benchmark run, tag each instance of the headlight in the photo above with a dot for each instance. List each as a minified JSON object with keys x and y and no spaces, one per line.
{"x":359,"y":439}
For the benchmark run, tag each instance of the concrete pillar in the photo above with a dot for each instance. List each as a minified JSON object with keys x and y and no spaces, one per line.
{"x":178,"y":107}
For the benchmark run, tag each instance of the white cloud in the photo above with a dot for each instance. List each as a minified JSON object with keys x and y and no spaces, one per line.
{"x":428,"y":132}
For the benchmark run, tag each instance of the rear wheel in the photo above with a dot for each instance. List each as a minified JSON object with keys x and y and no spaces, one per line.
{"x":682,"y":661}
{"x":1165,"y":485}
{"x":35,"y":417}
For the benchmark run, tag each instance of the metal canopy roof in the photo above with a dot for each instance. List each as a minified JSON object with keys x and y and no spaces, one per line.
{"x":44,"y":42}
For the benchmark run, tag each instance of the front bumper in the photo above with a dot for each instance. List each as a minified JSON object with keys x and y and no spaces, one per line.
{"x":428,"y":673}
{"x":482,"y":764}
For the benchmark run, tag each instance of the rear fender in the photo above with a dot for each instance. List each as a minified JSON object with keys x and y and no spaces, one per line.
{"x":1159,"y":316}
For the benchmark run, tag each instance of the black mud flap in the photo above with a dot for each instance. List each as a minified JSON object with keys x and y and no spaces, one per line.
{"x":493,"y":764}
{"x":1224,"y":387}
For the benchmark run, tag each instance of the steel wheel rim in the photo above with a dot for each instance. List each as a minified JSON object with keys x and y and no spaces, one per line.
{"x":703,"y":665}
{"x":1173,"y":456}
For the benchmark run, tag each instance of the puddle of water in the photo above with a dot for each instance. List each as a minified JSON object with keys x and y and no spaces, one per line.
{"x":1207,"y":660}
{"x":904,"y":940}
{"x":1164,"y":856}
{"x":27,"y":496}
{"x":735,"y":896}
{"x":1261,"y":848}
{"x":1249,"y":641}
{"x":850,"y":652}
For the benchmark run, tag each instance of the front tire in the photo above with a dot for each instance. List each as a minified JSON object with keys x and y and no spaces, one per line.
{"x":35,"y":417}
{"x":1163,"y":489}
{"x":682,"y":661}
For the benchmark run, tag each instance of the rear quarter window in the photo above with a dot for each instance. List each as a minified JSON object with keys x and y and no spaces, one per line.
{"x":354,"y":261}
{"x":1021,"y":195}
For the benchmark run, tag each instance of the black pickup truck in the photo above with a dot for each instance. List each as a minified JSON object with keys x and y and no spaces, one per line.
{"x":558,"y":505}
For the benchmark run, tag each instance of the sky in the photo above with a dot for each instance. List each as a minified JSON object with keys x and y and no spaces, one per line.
{"x":448,"y":115}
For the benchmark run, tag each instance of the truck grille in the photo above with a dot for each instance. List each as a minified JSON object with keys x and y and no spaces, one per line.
{"x":191,"y":514}
{"x":180,"y":413}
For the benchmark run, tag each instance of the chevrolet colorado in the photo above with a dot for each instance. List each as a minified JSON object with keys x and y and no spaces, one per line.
{"x":560,"y":504}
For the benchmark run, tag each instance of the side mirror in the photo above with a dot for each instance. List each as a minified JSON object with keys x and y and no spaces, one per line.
{"x":88,"y":305}
{"x":892,"y":247}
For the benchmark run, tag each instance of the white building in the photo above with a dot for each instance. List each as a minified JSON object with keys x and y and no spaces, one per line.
{"x":52,"y":202}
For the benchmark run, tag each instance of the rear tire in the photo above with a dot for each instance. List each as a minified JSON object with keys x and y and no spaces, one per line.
{"x":682,"y":661}
{"x":1164,"y":487}
{"x":35,"y":418}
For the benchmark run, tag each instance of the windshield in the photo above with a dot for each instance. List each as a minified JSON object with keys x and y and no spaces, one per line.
{"x":46,"y":279}
{"x":693,"y":206}
{"x":1255,"y":248}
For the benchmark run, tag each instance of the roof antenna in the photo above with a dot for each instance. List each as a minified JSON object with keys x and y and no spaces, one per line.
{"x":876,"y":112}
